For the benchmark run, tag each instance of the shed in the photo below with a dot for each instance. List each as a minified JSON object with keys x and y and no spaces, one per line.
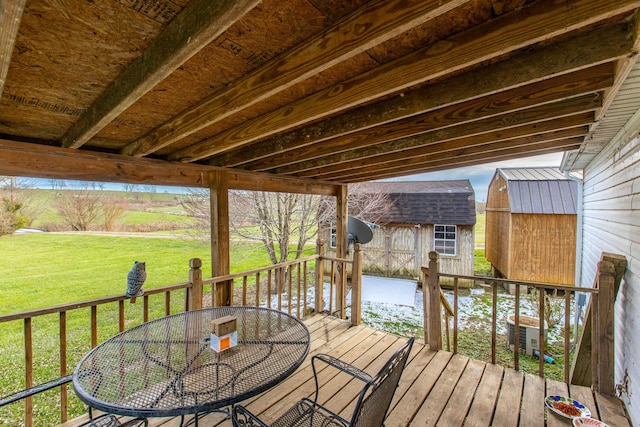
{"x":421,"y":216}
{"x":531,"y":225}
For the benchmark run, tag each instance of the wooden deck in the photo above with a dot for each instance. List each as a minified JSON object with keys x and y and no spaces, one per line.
{"x":436,"y":388}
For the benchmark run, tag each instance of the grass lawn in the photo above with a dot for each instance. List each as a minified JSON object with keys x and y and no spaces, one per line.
{"x":43,"y":269}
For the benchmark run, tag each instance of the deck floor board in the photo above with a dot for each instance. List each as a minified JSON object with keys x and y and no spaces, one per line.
{"x":436,"y":388}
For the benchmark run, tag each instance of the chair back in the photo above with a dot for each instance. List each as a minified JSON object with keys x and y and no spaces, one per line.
{"x":375,"y":398}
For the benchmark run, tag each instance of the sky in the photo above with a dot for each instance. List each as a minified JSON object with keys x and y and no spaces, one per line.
{"x":480,"y":176}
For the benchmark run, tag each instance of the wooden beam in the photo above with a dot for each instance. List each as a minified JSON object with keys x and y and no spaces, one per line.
{"x":491,"y":156}
{"x":10,"y":16}
{"x":539,"y":93}
{"x":220,"y":261}
{"x":462,"y":156}
{"x":340,"y":161}
{"x":566,"y":127}
{"x":41,"y":161}
{"x":602,"y":45}
{"x":368,"y":26}
{"x":201,"y":22}
{"x":342,"y":216}
{"x":537,"y":22}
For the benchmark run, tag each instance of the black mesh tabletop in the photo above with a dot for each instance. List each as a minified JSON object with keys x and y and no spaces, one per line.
{"x":166,"y":368}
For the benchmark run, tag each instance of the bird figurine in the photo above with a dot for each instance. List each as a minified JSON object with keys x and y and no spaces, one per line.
{"x":135,"y":279}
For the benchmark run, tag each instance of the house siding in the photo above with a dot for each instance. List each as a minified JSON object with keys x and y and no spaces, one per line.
{"x":611,"y":224}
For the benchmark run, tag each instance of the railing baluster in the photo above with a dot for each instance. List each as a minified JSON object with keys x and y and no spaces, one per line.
{"x":298,"y":281}
{"x":279,"y":285}
{"x":304,"y":288}
{"x":541,"y":340}
{"x":567,"y":345}
{"x":516,"y":331}
{"x":289,"y":273}
{"x":28,"y":371}
{"x":494,"y":320}
{"x":63,"y":365}
{"x":244,"y":290}
{"x":145,"y":308}
{"x":455,"y":315}
{"x":258,"y":289}
{"x":167,"y":303}
{"x":269,"y":276}
{"x":121,"y":315}
{"x":94,"y":326}
{"x":331,"y":283}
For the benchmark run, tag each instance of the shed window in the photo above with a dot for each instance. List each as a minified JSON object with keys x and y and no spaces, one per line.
{"x":445,"y":239}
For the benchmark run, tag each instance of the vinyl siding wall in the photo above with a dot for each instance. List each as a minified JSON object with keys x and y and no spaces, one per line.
{"x":612,"y":224}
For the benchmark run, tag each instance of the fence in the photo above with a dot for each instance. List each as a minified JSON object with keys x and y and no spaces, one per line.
{"x":601,"y":311}
{"x":285,"y":286}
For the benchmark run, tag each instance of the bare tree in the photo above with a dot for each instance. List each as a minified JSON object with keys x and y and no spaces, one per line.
{"x":196,"y":204}
{"x":286,"y":221}
{"x":113,"y":208}
{"x":283,"y":222}
{"x":17,"y":208}
{"x":79,"y":208}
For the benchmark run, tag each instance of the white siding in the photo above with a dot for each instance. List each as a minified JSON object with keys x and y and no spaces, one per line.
{"x":612,"y":224}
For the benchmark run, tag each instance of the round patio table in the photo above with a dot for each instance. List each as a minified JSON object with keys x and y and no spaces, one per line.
{"x":166,"y":367}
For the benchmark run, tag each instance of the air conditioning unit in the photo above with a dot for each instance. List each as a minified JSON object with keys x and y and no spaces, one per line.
{"x":528,"y":334}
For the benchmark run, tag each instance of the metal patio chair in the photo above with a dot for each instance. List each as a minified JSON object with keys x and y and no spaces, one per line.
{"x":373,"y":400}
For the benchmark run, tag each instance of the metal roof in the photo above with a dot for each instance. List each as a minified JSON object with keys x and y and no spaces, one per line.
{"x":540,"y":191}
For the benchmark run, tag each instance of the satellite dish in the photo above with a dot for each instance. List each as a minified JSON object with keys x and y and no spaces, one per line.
{"x":359,"y":231}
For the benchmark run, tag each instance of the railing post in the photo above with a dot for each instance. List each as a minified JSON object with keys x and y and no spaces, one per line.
{"x":194,"y":293}
{"x":320,"y":250}
{"x":604,"y":326}
{"x":356,"y":285}
{"x":434,"y":323}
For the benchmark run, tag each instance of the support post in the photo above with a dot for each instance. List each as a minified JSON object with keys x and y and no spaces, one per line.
{"x":435,"y":310}
{"x":219,"y":205}
{"x":194,"y":293}
{"x":341,"y":249}
{"x":356,"y":285}
{"x":605,"y":324}
{"x":320,"y":250}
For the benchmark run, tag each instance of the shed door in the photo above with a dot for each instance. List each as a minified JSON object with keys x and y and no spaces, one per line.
{"x":392,"y":252}
{"x":401,"y":255}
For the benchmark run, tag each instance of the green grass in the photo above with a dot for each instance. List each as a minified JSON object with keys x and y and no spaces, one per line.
{"x":479,"y":229}
{"x":43,"y":270}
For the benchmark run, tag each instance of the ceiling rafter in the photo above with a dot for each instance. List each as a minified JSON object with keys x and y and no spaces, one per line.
{"x":366,"y":27}
{"x":552,"y":130}
{"x":325,"y":91}
{"x":507,"y":33}
{"x":199,"y":23}
{"x":532,"y":115}
{"x":10,"y":15}
{"x":554,"y":89}
{"x":487,"y":157}
{"x":575,"y":53}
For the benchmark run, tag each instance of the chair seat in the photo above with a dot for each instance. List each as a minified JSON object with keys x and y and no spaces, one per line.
{"x":372,"y":403}
{"x":303,"y":414}
{"x":306,"y":414}
{"x":109,"y":420}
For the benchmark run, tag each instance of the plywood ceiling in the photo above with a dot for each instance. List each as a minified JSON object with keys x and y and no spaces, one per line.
{"x":308,"y":90}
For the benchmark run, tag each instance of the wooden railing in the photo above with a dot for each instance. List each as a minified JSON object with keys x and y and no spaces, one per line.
{"x":283,"y":286}
{"x":601,"y":311}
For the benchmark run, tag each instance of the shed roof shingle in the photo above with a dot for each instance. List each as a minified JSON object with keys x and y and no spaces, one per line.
{"x":426,"y":202}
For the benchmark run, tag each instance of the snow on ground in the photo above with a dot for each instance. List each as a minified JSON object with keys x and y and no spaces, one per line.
{"x":389,"y":291}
